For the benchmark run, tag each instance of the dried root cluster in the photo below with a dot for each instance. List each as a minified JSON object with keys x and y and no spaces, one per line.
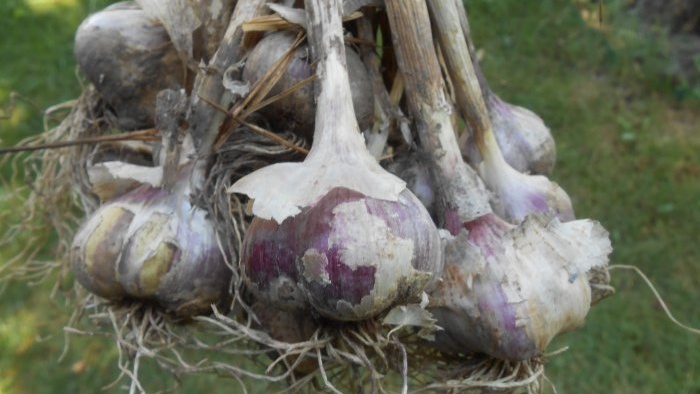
{"x":316,"y":195}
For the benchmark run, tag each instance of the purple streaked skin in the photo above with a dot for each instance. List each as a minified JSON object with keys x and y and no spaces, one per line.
{"x":301,"y":263}
{"x":494,"y":329}
{"x":486,"y":233}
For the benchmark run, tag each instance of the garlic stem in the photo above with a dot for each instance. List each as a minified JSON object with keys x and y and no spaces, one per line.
{"x":468,"y":92}
{"x":205,"y":119}
{"x":512,"y":125}
{"x":336,"y":127}
{"x":413,"y":42}
{"x":464,"y":23}
{"x":517,"y":195}
{"x":170,"y":107}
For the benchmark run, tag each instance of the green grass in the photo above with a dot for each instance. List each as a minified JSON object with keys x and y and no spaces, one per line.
{"x":628,"y":140}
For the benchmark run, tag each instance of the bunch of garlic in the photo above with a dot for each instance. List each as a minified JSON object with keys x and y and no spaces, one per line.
{"x":516,"y":261}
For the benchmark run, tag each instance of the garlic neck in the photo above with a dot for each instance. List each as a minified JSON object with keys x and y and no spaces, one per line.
{"x":336,"y":133}
{"x":490,"y":151}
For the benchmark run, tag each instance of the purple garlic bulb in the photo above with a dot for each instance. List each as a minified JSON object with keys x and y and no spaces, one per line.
{"x":507,"y":290}
{"x":349,"y":257}
{"x":152,"y":244}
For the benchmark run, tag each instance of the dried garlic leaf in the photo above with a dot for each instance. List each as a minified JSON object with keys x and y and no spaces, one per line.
{"x":290,"y":14}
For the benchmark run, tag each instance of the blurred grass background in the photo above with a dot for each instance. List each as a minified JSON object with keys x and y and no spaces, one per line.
{"x":628,"y":138}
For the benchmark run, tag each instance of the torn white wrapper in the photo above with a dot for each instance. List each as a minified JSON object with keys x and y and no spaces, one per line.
{"x":281,"y":190}
{"x":113,"y":178}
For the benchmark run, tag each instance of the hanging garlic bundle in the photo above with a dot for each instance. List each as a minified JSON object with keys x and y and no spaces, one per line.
{"x":340,"y":255}
{"x":148,"y":241}
{"x":523,"y":138}
{"x":506,"y":290}
{"x":336,"y":233}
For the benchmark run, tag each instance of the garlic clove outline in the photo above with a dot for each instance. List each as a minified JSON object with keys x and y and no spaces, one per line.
{"x":153,"y":244}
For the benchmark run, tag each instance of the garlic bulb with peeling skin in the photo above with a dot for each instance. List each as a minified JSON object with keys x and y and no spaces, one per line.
{"x":297,"y":111}
{"x":336,"y":229}
{"x":508,"y":290}
{"x":153,"y":244}
{"x":129,"y":58}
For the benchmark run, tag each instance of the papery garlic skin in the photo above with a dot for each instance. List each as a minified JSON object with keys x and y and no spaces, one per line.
{"x":348,"y":257}
{"x":152,"y":244}
{"x":507,"y":291}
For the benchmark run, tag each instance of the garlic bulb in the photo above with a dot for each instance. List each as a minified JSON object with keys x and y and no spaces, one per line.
{"x":508,"y":290}
{"x":526,"y":142}
{"x":153,"y":244}
{"x":297,"y":111}
{"x":337,"y":231}
{"x":129,"y":58}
